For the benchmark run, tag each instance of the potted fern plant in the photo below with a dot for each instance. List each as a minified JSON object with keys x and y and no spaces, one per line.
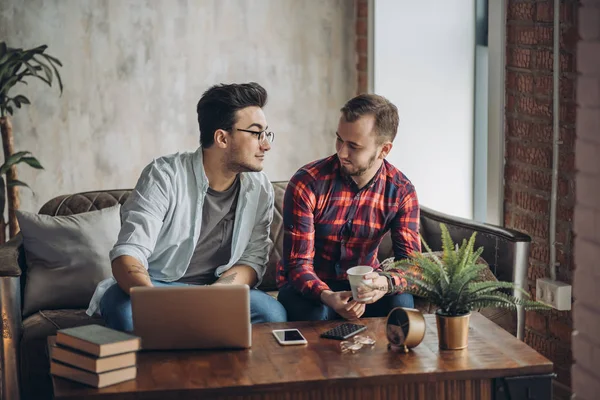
{"x":17,"y":66}
{"x":453,"y":282}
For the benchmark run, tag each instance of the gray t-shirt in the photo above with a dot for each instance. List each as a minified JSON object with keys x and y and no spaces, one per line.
{"x":214,"y":244}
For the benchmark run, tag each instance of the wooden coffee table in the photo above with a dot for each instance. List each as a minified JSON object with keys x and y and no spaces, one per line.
{"x":495,"y":366}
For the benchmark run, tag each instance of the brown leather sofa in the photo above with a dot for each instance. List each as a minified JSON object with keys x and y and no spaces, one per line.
{"x":24,"y":361}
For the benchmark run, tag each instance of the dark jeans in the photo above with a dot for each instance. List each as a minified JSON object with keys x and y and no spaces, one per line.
{"x":115,"y":307}
{"x":300,"y":308}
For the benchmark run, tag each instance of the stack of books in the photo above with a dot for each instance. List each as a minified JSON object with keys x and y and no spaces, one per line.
{"x":93,"y":354}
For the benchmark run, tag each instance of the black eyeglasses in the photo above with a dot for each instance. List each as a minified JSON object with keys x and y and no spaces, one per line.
{"x":263,"y":136}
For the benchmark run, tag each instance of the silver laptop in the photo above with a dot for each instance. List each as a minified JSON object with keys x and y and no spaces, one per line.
{"x":192,"y":317}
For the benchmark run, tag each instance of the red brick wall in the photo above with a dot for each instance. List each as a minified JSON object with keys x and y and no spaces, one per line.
{"x":586,"y":339}
{"x":362,"y":43}
{"x":528,"y":156}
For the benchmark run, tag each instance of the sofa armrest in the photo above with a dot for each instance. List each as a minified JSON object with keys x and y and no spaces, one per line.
{"x":470,"y":225}
{"x":12,"y":257}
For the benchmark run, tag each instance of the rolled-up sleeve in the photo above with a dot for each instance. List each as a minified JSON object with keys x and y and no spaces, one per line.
{"x":143,"y":214}
{"x":256,"y":254}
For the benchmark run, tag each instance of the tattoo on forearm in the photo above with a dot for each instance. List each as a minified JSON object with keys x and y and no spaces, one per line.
{"x":373,"y":287}
{"x":227,"y":279}
{"x":137,"y":269}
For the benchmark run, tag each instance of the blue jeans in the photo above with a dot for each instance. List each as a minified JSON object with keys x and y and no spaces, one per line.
{"x":115,"y":307}
{"x":300,"y":308}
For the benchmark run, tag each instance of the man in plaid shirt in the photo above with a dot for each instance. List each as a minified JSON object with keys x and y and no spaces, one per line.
{"x":335,"y":213}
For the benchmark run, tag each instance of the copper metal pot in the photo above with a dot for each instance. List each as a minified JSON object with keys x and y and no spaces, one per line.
{"x":453,"y":332}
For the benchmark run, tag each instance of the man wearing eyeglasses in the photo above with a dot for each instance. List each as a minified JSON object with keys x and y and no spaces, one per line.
{"x":200,"y":218}
{"x":335,"y":213}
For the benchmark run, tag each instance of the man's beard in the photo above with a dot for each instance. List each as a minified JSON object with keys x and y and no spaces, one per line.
{"x":243,"y":167}
{"x":361,"y":170}
{"x":236,"y":164}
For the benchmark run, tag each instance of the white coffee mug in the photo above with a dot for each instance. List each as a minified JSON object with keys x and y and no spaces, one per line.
{"x":356,"y":278}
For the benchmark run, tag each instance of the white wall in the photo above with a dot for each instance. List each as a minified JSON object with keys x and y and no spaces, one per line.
{"x":424,"y":63}
{"x":134,"y":71}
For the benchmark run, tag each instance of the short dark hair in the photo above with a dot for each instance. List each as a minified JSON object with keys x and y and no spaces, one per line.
{"x":218,"y":105}
{"x":385,"y":113}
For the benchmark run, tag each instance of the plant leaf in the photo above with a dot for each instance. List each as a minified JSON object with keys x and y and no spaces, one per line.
{"x":39,"y":49}
{"x":494,"y":300}
{"x":17,"y":182}
{"x":32,"y":162}
{"x":3,"y":49}
{"x":12,"y":160}
{"x":46,"y":81}
{"x":46,"y":69}
{"x":27,"y":55}
{"x":21,"y":99}
{"x":486,"y":286}
{"x":33,"y":69}
{"x":8,"y":84}
{"x":9,"y":55}
{"x":467,"y":251}
{"x":447,"y":246}
{"x":460,"y":282}
{"x":445,"y":279}
{"x":51,"y":61}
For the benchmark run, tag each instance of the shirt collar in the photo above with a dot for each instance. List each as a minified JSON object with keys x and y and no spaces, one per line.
{"x":350,"y":182}
{"x":198,"y":166}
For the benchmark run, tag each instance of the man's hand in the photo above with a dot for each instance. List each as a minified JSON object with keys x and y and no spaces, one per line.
{"x":376,"y":289}
{"x":341,"y":304}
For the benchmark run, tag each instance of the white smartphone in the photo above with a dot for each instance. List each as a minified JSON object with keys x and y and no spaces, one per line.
{"x":289,"y":336}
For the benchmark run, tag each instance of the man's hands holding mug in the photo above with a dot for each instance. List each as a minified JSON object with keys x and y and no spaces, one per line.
{"x":343,"y":304}
{"x":367,"y":288}
{"x":373,"y":291}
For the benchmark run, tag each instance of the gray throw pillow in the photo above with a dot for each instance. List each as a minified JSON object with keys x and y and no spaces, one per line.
{"x":66,"y":257}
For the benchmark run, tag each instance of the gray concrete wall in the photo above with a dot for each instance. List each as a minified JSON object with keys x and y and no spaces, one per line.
{"x":134,"y":71}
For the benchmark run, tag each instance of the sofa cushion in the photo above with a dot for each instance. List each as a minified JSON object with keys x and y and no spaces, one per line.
{"x":276,"y":235}
{"x":66,"y":257}
{"x":33,"y":350}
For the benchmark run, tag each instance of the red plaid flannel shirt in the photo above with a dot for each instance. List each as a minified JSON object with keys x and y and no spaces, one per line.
{"x":330,"y":225}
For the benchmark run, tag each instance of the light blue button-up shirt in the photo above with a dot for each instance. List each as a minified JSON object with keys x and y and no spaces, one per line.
{"x":162,"y":218}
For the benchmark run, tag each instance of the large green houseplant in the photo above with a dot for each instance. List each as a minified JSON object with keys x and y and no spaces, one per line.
{"x":453,"y":282}
{"x":16,"y":66}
